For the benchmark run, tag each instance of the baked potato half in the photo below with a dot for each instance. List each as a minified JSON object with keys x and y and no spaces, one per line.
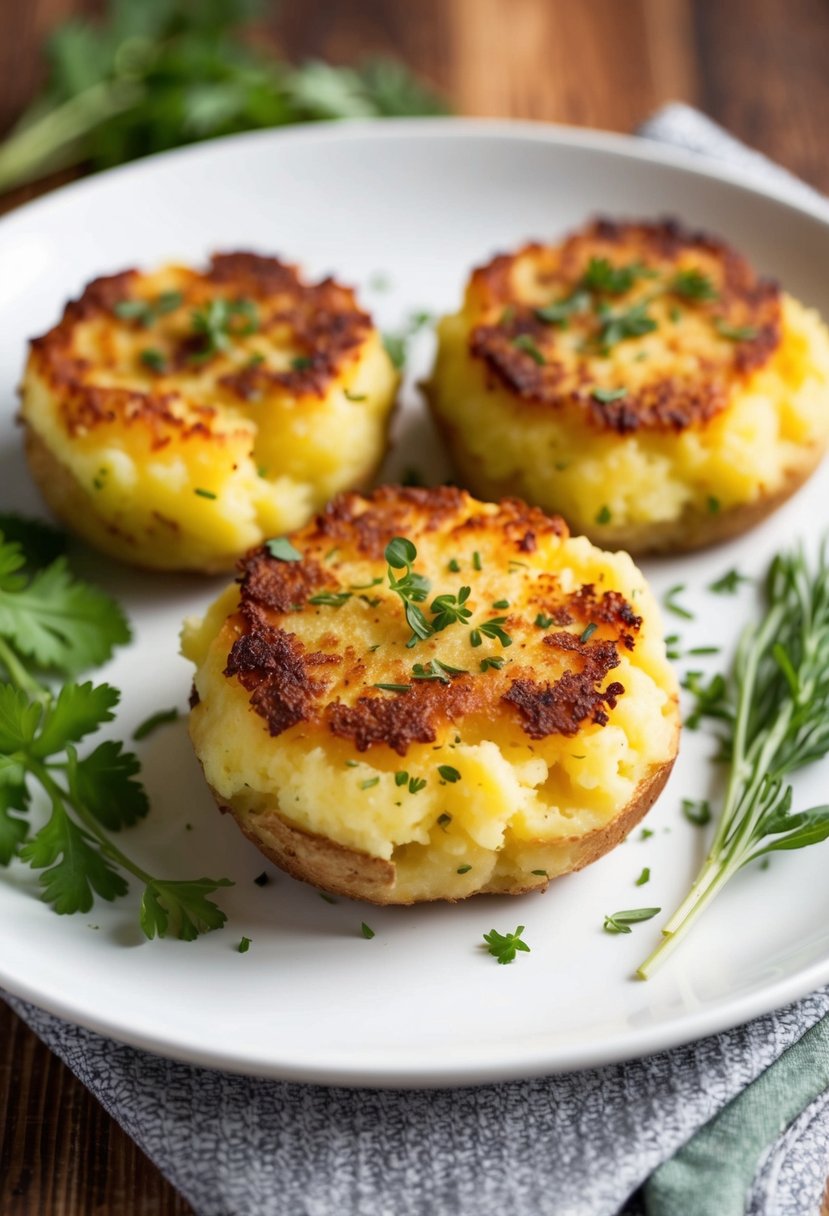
{"x":174,"y":419}
{"x":639,"y":379}
{"x":420,"y":696}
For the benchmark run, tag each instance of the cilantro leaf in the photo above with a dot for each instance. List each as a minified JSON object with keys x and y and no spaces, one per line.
{"x":18,"y":719}
{"x":78,"y":710}
{"x":77,"y":867}
{"x":104,"y":784}
{"x":57,"y":620}
{"x":40,"y":542}
{"x":13,"y":829}
{"x":181,"y":908}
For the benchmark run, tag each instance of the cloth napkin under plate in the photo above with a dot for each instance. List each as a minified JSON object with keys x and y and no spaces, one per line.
{"x":737,"y":1123}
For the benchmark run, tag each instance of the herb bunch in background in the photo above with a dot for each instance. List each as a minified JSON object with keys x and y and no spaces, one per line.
{"x":53,"y":625}
{"x":156,"y":74}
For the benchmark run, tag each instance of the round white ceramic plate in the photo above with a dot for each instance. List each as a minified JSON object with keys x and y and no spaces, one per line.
{"x":422,"y":1003}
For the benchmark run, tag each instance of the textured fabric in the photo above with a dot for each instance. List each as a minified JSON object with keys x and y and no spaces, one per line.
{"x":725,"y":1153}
{"x":574,"y":1145}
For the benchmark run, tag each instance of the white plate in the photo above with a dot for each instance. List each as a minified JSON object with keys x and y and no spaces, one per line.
{"x":422,"y":1003}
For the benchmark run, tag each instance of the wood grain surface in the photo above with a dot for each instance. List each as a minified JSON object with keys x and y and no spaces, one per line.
{"x":757,"y":66}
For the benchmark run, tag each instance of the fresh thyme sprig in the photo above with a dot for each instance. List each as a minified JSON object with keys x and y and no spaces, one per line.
{"x":773,"y":707}
{"x":413,"y":588}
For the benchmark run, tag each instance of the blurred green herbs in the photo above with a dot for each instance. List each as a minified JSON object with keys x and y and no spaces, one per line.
{"x":156,"y":74}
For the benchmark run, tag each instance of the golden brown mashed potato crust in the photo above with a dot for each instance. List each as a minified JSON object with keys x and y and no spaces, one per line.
{"x":328,"y":737}
{"x":175,"y":418}
{"x":631,"y":354}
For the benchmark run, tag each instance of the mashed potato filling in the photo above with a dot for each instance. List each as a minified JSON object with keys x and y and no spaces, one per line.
{"x":478,"y":796}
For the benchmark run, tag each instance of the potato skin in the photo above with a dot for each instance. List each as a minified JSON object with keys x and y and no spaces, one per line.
{"x":223,"y":406}
{"x":684,"y":433}
{"x":511,"y":762}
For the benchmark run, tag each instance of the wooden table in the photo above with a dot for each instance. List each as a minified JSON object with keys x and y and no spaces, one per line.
{"x":757,"y":66}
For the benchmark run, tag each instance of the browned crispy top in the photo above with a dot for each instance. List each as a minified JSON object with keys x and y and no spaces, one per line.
{"x":313,"y":638}
{"x":132,"y":348}
{"x":664,"y":350}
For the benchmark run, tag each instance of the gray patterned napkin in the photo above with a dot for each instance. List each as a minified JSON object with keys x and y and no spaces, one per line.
{"x":573,"y":1145}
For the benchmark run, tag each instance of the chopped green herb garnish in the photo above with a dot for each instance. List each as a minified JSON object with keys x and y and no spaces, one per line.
{"x":702,"y":650}
{"x":369,"y":783}
{"x":145,"y":312}
{"x":435,"y":670}
{"x":219,"y":322}
{"x":329,"y":899}
{"x":204,"y":493}
{"x":395,"y":346}
{"x":560,"y":311}
{"x":244,"y":945}
{"x":495,"y":663}
{"x":617,"y":327}
{"x":713,"y":504}
{"x":331,"y":599}
{"x":602,"y":276}
{"x":154,"y":359}
{"x":493,"y":629}
{"x":646,"y":834}
{"x":352,"y":764}
{"x":692,"y":284}
{"x":540,"y":873}
{"x":412,"y":588}
{"x":301,"y":363}
{"x":454,"y":565}
{"x":603,"y":515}
{"x":416,"y":784}
{"x":588,"y":632}
{"x":672,"y":606}
{"x":606,"y":395}
{"x":393,"y":687}
{"x":476,"y":561}
{"x":282,"y":549}
{"x":729,"y":583}
{"x":450,"y":609}
{"x":401,"y":778}
{"x":501,"y":604}
{"x":505,"y":946}
{"x":153,"y":723}
{"x":620,"y":922}
{"x":644,"y":877}
{"x":349,"y":396}
{"x":463,"y":869}
{"x":543,"y":621}
{"x":448,"y":773}
{"x":527,"y":344}
{"x":367,"y":931}
{"x":735,"y":333}
{"x":697,"y":811}
{"x":475,"y":638}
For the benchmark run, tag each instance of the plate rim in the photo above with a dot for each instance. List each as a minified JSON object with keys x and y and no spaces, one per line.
{"x":515,"y":1062}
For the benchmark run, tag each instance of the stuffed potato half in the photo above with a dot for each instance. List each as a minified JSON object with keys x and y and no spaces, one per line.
{"x":176,"y":418}
{"x":638,"y":378}
{"x":518,"y":734}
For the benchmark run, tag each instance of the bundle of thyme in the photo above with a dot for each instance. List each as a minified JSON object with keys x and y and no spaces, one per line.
{"x":772,"y":710}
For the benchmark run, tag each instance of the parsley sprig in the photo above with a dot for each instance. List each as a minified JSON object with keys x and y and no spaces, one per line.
{"x":773,"y":711}
{"x":152,"y":76}
{"x":51,"y":624}
{"x":219,"y":322}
